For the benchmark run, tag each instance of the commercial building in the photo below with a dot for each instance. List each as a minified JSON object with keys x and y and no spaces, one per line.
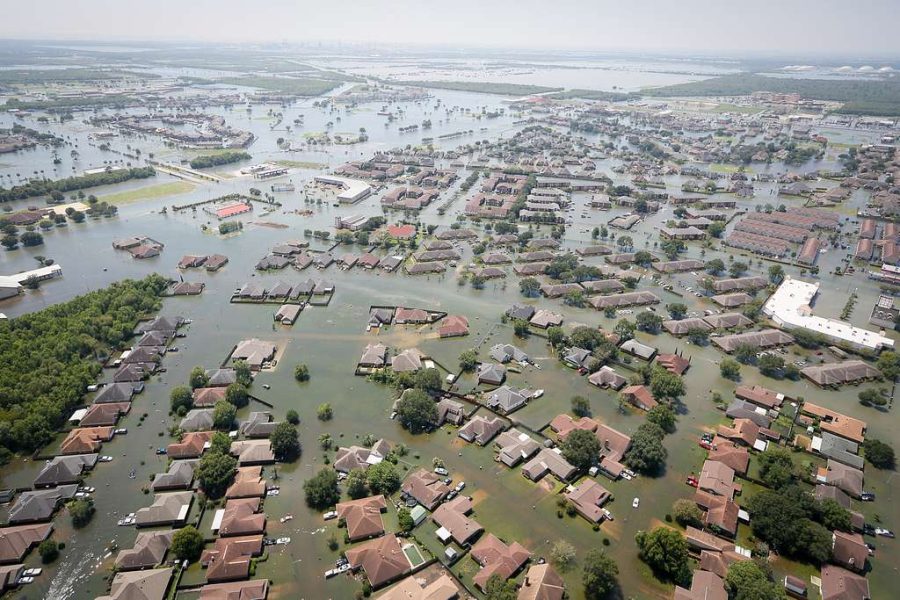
{"x":790,"y":306}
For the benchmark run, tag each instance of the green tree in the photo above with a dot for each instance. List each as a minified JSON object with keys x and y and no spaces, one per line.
{"x":198,"y":378}
{"x":647,"y":453}
{"x":833,"y":516}
{"x":520,"y":328}
{"x":714,"y":266}
{"x":243,"y":373}
{"x":677,"y":310}
{"x":599,"y":575}
{"x":889,"y":364}
{"x":687,"y":513}
{"x":224,"y":414}
{"x":468,"y":360}
{"x":776,"y":274}
{"x":745,"y":353}
{"x":324,"y":412}
{"x":664,"y":384}
{"x":624,"y":329}
{"x":664,"y":416}
{"x":429,"y":381}
{"x":81,"y":511}
{"x":416,"y":411}
{"x":556,"y":336}
{"x":498,"y":588}
{"x":49,"y":551}
{"x":643,"y":258}
{"x":529,"y":287}
{"x":383,"y":478}
{"x":237,"y":395}
{"x":215,"y":472}
{"x":187,"y":544}
{"x":10,"y":241}
{"x":746,"y":580}
{"x":770,"y":365}
{"x":405,"y":520}
{"x":580,"y":406}
{"x":220,"y":442}
{"x":716,"y":229}
{"x":776,"y":467}
{"x":301,"y":373}
{"x":666,"y":552}
{"x":698,"y":336}
{"x":31,"y":238}
{"x":581,"y":448}
{"x":285,"y":441}
{"x":356,"y":484}
{"x":292,"y":417}
{"x":649,"y":322}
{"x":737,"y":268}
{"x":871,"y":397}
{"x":879,"y":453}
{"x":730,"y":369}
{"x":322,"y":490}
{"x":784,"y":519}
{"x":181,"y":398}
{"x":562,"y":555}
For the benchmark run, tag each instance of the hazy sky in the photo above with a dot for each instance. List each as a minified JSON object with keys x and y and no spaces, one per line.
{"x":848,"y":27}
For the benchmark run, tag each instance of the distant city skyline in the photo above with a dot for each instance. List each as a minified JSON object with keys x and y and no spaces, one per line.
{"x":866,"y":28}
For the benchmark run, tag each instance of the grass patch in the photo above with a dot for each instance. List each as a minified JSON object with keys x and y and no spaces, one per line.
{"x":482,"y":87}
{"x":720,"y":168}
{"x":306,"y":86}
{"x":300,"y":164}
{"x":150,"y":192}
{"x":734,"y":108}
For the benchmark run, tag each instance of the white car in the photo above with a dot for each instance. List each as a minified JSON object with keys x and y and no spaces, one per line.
{"x":460,"y":486}
{"x":24,"y":580}
{"x":441,"y":471}
{"x":636,"y":502}
{"x":283,"y":540}
{"x":608,"y":515}
{"x":331,"y":514}
{"x":105,"y":458}
{"x":33,"y":572}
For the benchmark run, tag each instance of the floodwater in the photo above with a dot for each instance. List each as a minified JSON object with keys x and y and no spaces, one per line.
{"x":330,"y":339}
{"x":595,"y":74}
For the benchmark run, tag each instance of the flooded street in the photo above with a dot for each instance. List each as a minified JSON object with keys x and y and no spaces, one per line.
{"x":329,"y":340}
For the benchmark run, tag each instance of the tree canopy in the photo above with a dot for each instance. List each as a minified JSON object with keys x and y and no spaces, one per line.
{"x":599,"y":575}
{"x":215,"y":472}
{"x":746,"y":580}
{"x":322,"y":490}
{"x":647,"y":453}
{"x":581,"y":448}
{"x":665,"y":551}
{"x":416,"y":411}
{"x":383,"y":478}
{"x":285,"y":441}
{"x":187,"y":543}
{"x":49,"y":357}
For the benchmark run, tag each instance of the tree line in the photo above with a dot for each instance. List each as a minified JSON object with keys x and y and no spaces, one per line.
{"x":49,"y":357}
{"x":46,"y":187}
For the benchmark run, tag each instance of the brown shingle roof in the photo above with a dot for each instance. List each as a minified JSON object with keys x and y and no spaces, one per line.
{"x":363,"y":517}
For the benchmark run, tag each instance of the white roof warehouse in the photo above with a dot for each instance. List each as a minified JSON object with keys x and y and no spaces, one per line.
{"x":790,"y":307}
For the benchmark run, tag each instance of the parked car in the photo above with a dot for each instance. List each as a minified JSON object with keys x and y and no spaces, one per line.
{"x":867,"y":497}
{"x":635,"y":503}
{"x":441,"y":471}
